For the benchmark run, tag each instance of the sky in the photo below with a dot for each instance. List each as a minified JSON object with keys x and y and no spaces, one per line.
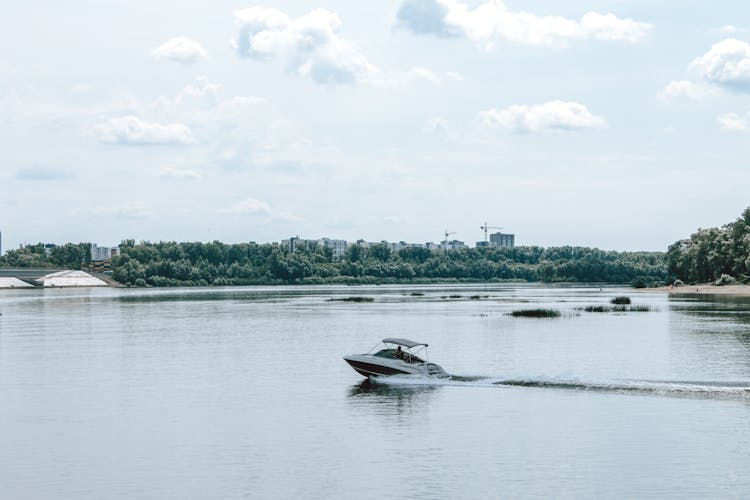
{"x":622,"y":125}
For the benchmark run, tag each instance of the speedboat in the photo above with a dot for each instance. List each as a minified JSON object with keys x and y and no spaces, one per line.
{"x":399,"y":357}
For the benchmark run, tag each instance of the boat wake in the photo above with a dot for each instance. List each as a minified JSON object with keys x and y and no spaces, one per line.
{"x":668,"y":388}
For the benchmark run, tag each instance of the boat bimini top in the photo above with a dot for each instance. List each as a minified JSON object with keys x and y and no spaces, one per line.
{"x":403,"y":342}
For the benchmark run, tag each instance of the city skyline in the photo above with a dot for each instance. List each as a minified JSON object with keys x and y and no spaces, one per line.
{"x":598,"y":124}
{"x":496,"y":239}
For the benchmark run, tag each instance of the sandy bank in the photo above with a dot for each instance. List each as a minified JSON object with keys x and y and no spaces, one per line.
{"x":705,"y":289}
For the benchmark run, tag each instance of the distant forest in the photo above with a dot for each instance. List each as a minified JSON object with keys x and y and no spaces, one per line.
{"x":718,"y":254}
{"x":68,"y":256}
{"x":205,"y":264}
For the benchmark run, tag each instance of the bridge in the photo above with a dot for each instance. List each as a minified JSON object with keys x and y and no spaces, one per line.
{"x":27,"y":272}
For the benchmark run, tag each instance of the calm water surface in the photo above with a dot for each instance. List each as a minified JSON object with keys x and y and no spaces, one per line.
{"x":242,"y":393}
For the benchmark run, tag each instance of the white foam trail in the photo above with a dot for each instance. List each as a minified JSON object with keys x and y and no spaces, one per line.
{"x":672,"y":388}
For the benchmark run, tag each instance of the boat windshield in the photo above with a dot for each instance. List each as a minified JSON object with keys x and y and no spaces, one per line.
{"x":403,"y":355}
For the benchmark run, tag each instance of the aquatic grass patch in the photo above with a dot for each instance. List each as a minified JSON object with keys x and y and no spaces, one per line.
{"x":640,"y":308}
{"x":596,"y":309}
{"x":464,"y":297}
{"x":535,"y":313}
{"x":351,"y":299}
{"x":620,"y":301}
{"x":604,"y":308}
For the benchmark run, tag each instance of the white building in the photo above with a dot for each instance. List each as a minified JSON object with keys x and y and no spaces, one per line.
{"x":99,"y":254}
{"x":452,"y":245}
{"x":295,"y":243}
{"x":499,"y":240}
{"x":503,"y":239}
{"x":395,"y":247}
{"x":337,"y":246}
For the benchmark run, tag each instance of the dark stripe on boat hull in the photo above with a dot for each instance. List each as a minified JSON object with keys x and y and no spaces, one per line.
{"x":369,"y":369}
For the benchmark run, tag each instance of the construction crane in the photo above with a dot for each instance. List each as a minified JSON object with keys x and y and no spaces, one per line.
{"x":486,"y":227}
{"x":448,"y":234}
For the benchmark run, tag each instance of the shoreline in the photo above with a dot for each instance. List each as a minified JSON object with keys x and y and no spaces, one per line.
{"x":702,"y":289}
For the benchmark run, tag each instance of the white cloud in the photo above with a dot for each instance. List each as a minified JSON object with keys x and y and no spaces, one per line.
{"x":609,"y":27}
{"x":191,"y":104}
{"x":201,"y":105}
{"x":727,"y":29}
{"x":237,"y":132}
{"x":492,"y":21}
{"x":552,"y":115}
{"x":683,"y":89}
{"x":132,"y":130}
{"x":424,"y":75}
{"x":727,"y":63}
{"x":732,"y":122}
{"x":437,"y":124}
{"x":310,"y":47}
{"x":255,"y":207}
{"x":179,"y":49}
{"x":179,"y":174}
{"x":202,"y":90}
{"x":309,"y":44}
{"x":248,"y":206}
{"x":129,"y":210}
{"x":246,"y":100}
{"x":453,"y":76}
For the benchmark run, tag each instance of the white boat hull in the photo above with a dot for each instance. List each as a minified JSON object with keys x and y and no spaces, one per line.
{"x":376,"y":366}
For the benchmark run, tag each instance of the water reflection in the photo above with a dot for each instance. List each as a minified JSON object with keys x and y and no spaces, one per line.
{"x":724,"y":308}
{"x":387,"y":398}
{"x":711,"y":333}
{"x":720,"y":306}
{"x":182,"y":295}
{"x":176,"y":385}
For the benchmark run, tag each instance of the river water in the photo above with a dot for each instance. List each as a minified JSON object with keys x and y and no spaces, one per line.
{"x":242,"y":393}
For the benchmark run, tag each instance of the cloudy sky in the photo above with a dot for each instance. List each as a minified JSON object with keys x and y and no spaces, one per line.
{"x":617,"y":124}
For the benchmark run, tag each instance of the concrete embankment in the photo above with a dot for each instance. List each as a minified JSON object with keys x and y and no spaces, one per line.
{"x":13,"y":282}
{"x":41,"y":277}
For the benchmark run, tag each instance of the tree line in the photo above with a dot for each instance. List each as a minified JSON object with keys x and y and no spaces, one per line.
{"x":68,"y":256}
{"x":215,"y":263}
{"x":715,"y":254}
{"x":719,"y":254}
